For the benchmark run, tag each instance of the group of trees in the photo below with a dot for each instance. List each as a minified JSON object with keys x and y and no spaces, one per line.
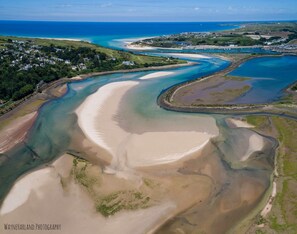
{"x":25,"y":62}
{"x":16,"y":83}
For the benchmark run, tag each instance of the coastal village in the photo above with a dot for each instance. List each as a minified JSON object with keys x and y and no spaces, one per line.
{"x":25,"y":55}
{"x":273,"y":37}
{"x":27,"y":63}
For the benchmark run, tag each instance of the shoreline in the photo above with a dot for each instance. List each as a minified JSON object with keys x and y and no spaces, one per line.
{"x":47,"y":93}
{"x":139,"y":147}
{"x":271,"y":48}
{"x":36,"y":192}
{"x":154,"y":68}
{"x":16,"y":131}
{"x":208,"y":109}
{"x":266,"y":204}
{"x":65,"y":80}
{"x":165,"y":98}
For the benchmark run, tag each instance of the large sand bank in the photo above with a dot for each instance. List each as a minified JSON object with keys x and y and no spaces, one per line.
{"x":136,"y":47}
{"x":97,"y":117}
{"x":41,"y":198}
{"x":186,"y":55}
{"x":156,"y":75}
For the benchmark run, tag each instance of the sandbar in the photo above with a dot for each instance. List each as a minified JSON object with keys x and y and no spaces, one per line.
{"x":98,"y":118}
{"x":137,"y":47}
{"x":41,"y":198}
{"x":256,"y":143}
{"x":185,"y":55}
{"x":156,"y":75}
{"x":237,"y":123}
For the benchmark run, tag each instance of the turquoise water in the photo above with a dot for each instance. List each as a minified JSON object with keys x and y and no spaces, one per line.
{"x":269,"y":76}
{"x":51,"y":134}
{"x":105,"y":33}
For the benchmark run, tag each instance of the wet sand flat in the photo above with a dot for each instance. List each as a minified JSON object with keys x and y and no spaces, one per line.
{"x":54,"y":195}
{"x":96,"y":119}
{"x":16,"y":131}
{"x":211,"y":91}
{"x":175,"y":174}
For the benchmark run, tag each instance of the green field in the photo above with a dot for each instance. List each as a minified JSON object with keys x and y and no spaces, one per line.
{"x":251,"y":34}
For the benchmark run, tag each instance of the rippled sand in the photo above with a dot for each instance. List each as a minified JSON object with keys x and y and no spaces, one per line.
{"x":96,"y":119}
{"x":181,"y":163}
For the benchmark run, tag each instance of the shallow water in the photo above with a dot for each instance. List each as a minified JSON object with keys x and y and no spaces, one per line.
{"x":52,"y":131}
{"x":269,"y":76}
{"x":55,"y":126}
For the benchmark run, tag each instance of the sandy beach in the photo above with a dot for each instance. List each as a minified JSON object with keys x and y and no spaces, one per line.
{"x":137,"y":47}
{"x":256,"y":143}
{"x":156,"y":75}
{"x":268,"y":206}
{"x":70,"y":206}
{"x":186,"y":55}
{"x":91,"y":112}
{"x":237,"y":123}
{"x":16,"y":131}
{"x":96,"y":118}
{"x":172,"y":163}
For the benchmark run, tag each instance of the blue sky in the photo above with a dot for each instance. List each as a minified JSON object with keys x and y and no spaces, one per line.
{"x":148,"y":10}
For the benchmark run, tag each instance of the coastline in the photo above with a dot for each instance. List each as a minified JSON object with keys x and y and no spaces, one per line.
{"x":53,"y":90}
{"x":266,"y":204}
{"x":58,"y":88}
{"x":165,"y":98}
{"x":137,"y":147}
{"x":37,"y":184}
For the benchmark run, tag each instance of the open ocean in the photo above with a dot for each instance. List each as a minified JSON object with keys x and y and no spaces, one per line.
{"x":103,"y":33}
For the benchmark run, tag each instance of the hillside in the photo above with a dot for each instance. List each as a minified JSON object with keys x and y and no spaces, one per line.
{"x":27,"y":63}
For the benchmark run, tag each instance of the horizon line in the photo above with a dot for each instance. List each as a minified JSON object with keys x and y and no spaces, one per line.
{"x":77,"y":21}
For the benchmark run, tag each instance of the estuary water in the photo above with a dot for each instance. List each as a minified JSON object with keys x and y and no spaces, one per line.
{"x":268,"y":77}
{"x":53,"y":131}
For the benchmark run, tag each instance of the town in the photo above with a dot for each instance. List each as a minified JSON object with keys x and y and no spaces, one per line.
{"x":279,"y":37}
{"x":25,"y":63}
